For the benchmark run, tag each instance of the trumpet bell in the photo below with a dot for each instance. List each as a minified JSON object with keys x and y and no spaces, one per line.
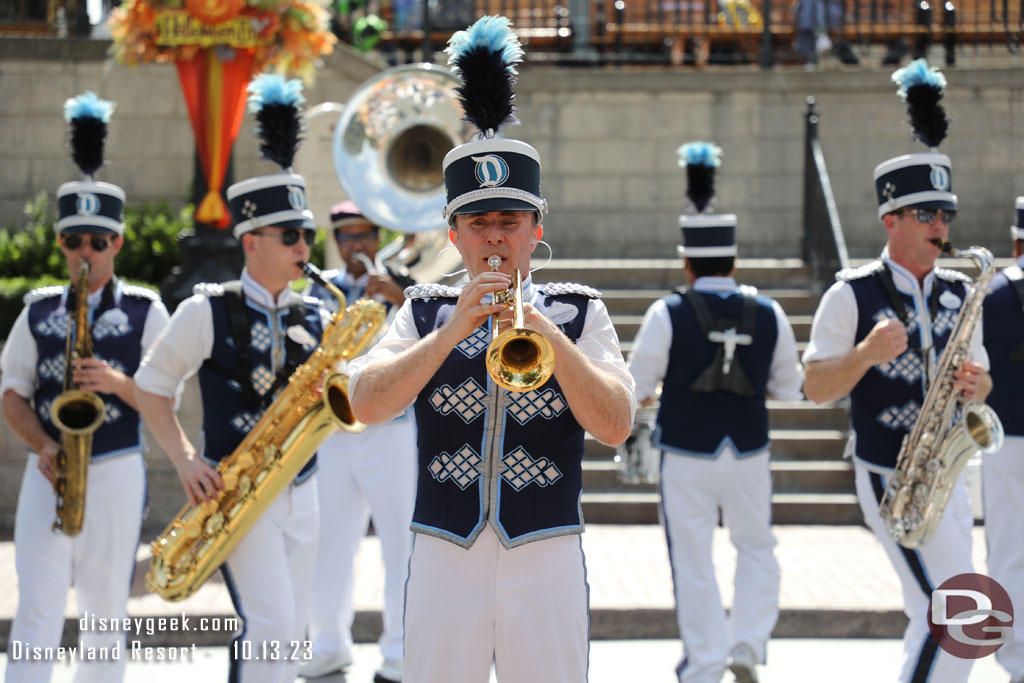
{"x":390,"y":143}
{"x":520,"y":359}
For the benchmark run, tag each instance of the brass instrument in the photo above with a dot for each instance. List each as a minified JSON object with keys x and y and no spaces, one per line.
{"x":77,"y":413}
{"x":934,"y":454}
{"x":518,"y":359}
{"x":201,"y":537}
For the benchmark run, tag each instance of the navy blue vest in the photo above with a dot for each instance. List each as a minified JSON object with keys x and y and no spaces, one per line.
{"x":118,"y":323}
{"x":489,"y":454}
{"x":227,"y":415}
{"x":1003,"y":327}
{"x":884,"y":404}
{"x":701,"y":423}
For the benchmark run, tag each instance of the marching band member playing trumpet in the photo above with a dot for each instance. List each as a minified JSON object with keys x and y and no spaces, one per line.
{"x":720,"y":350}
{"x":877,"y":336}
{"x":124,"y":322}
{"x":244,"y":339}
{"x":497,"y":572}
{"x":359,"y":488}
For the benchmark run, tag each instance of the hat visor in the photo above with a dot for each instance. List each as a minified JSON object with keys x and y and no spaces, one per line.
{"x":88,"y":230}
{"x":944,"y":204}
{"x":494,"y":204}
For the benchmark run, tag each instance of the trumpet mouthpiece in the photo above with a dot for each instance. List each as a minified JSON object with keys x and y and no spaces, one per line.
{"x":494,"y":262}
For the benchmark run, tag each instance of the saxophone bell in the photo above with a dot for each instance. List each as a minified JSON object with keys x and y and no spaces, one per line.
{"x":518,"y":359}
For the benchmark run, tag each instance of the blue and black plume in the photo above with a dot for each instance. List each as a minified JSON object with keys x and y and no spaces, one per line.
{"x":921,"y":87}
{"x":275,"y":102}
{"x":701,"y":160}
{"x":88,"y":116}
{"x":484,"y":56}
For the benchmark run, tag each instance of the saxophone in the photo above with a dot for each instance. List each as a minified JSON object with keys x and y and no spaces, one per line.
{"x":77,"y":413}
{"x":934,"y":454}
{"x":201,"y":537}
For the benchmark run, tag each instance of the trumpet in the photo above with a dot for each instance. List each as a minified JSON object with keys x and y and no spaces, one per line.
{"x":518,"y":359}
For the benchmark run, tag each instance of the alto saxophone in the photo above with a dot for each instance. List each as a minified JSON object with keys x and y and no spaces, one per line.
{"x":201,"y":537}
{"x":934,"y":454}
{"x":77,"y":413}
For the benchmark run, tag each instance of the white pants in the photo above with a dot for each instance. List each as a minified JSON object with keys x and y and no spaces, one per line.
{"x":921,"y":571}
{"x":693,"y":490}
{"x":363,"y":475}
{"x":98,"y":561}
{"x":269,"y":576}
{"x":525,"y":609}
{"x":1002,"y":477}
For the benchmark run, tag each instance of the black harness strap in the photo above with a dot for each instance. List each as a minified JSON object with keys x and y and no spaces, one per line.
{"x":898,"y":305}
{"x":1016,"y":277}
{"x":714,"y":377}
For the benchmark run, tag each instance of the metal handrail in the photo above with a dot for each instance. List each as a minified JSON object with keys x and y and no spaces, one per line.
{"x":824,"y":244}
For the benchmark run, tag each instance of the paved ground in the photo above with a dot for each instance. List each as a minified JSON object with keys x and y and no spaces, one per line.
{"x":616,"y":661}
{"x":834,"y":572}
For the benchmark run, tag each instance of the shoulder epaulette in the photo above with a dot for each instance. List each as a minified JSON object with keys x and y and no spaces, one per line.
{"x":868,"y":269}
{"x":41,"y":293}
{"x":314,"y":301}
{"x":558,"y":288}
{"x":432,"y":291}
{"x":140,"y":292}
{"x":748,"y":290}
{"x":209,"y":289}
{"x":950,"y":275}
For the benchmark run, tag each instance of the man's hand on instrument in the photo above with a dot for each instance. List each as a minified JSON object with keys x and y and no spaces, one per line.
{"x":48,"y":461}
{"x":383,"y":286}
{"x":95,"y":374}
{"x":201,"y":481}
{"x":886,"y":340}
{"x":973,"y":381}
{"x":470,"y":313}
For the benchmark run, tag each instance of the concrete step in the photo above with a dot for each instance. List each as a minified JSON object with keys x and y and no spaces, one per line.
{"x":787,"y":444}
{"x":787,"y":508}
{"x":637,"y":301}
{"x":806,"y":415}
{"x":788,"y":476}
{"x":667,"y":274}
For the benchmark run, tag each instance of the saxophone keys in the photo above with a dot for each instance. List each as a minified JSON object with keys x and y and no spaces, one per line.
{"x":230,"y":480}
{"x":215,"y":523}
{"x":191,"y":529}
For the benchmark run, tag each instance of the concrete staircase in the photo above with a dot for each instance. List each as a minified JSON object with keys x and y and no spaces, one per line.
{"x":812,"y":482}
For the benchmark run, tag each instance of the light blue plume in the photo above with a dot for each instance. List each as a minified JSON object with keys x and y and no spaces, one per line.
{"x":274,"y":89}
{"x":493,"y":32}
{"x":88,"y":104}
{"x":917,"y":73}
{"x":700,"y":154}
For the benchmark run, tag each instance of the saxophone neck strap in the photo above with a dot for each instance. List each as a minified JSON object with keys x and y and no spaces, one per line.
{"x":900,"y":306}
{"x":238,"y":327}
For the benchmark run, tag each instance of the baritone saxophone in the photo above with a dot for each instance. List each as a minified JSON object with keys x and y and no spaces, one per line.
{"x":935,"y":452}
{"x":201,"y":537}
{"x":77,"y":413}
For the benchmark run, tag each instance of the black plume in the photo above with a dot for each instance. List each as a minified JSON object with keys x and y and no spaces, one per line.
{"x":280,"y":133}
{"x":487,"y":93}
{"x":927,"y":117}
{"x":88,"y":134}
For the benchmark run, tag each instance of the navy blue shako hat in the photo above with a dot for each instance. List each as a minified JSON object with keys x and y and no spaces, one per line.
{"x":1017,"y":230}
{"x":922,"y":180}
{"x":278,"y":199}
{"x":89,"y":206}
{"x":489,"y":173}
{"x":705,"y":235}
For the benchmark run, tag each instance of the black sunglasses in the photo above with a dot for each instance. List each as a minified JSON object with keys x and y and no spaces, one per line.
{"x":926,"y":216}
{"x":75,"y":242}
{"x":290,"y":236}
{"x":348,"y":238}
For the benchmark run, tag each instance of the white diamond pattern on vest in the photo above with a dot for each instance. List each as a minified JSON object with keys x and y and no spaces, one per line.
{"x":52,"y":368}
{"x":244,"y":422}
{"x":113,"y":413}
{"x":462,"y":467}
{"x":467,"y":401}
{"x":521,"y":470}
{"x":907,"y":367}
{"x":900,"y":417}
{"x":526,"y":405}
{"x":104,"y":328}
{"x":53,"y":326}
{"x":262,"y":379}
{"x":259,"y":336}
{"x":945,"y":320}
{"x":888,"y":312}
{"x":475,"y":343}
{"x":43,"y":410}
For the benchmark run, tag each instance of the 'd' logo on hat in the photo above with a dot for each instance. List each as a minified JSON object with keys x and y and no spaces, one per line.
{"x":296,"y":197}
{"x":940,"y":178}
{"x":87,"y":204}
{"x":491,"y":170}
